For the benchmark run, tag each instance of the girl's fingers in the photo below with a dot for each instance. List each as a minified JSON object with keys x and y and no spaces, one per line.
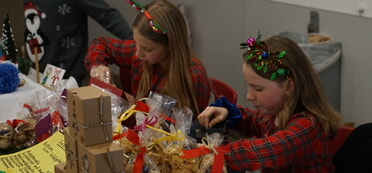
{"x":101,"y":72}
{"x":204,"y":117}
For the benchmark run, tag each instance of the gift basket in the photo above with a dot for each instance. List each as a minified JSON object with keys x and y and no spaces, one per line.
{"x":160,"y":143}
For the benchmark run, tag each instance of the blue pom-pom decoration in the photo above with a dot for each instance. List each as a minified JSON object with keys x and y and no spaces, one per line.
{"x":234,"y":112}
{"x":9,"y":78}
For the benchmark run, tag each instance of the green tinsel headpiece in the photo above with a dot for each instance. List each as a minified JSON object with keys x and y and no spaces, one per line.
{"x":264,"y":60}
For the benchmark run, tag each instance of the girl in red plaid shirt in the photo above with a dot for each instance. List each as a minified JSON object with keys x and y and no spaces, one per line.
{"x":159,"y":58}
{"x":290,"y":128}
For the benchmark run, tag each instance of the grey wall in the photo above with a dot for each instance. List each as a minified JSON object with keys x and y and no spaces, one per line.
{"x":218,"y":26}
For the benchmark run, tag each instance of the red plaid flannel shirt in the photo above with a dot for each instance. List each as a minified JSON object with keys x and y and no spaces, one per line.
{"x":302,"y":146}
{"x":122,"y":53}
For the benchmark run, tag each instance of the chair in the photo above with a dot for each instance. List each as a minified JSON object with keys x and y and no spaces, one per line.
{"x":220,"y":89}
{"x":342,"y":134}
{"x":355,"y":154}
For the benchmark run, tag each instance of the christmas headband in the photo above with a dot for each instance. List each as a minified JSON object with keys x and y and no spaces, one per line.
{"x":152,"y":22}
{"x":265,"y":60}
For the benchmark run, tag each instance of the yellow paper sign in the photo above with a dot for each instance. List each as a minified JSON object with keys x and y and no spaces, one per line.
{"x":39,"y":158}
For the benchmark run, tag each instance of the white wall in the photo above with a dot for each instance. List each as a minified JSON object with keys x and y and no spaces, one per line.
{"x":219,"y":26}
{"x":353,"y":7}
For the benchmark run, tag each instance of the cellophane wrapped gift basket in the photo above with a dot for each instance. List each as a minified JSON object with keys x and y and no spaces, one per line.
{"x":160,"y":143}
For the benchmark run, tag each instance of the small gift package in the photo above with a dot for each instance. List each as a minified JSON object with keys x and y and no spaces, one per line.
{"x":71,"y":151}
{"x":61,"y":168}
{"x":89,"y":110}
{"x":107,"y":157}
{"x":91,"y":135}
{"x":88,"y":105}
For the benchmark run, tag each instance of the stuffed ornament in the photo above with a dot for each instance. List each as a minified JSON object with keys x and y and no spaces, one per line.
{"x":9,"y":78}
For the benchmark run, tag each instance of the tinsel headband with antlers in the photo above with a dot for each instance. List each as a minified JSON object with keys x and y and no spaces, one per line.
{"x":262,"y":59}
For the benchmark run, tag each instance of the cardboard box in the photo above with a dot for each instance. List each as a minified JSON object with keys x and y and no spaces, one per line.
{"x":91,"y":135}
{"x":60,"y":168}
{"x":71,"y":152}
{"x":88,"y":105}
{"x":103,"y":158}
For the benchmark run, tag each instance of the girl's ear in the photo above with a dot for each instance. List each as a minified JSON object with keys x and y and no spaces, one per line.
{"x":290,"y":87}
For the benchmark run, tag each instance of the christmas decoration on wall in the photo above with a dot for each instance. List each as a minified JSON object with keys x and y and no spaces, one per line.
{"x":9,"y":46}
{"x":9,"y":49}
{"x":23,"y":62}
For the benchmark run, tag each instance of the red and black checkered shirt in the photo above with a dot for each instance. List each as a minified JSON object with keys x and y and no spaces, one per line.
{"x":122,"y":53}
{"x":302,"y":146}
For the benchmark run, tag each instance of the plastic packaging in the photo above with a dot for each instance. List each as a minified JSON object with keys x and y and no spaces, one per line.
{"x":322,"y":55}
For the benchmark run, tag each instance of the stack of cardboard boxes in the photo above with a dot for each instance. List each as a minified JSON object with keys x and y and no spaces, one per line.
{"x":88,"y":137}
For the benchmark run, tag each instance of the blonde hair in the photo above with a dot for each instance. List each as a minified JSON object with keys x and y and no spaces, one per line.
{"x":308,"y":93}
{"x":179,"y":84}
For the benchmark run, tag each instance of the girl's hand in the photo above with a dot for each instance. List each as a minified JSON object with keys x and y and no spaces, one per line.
{"x":212,"y":116}
{"x":101,"y":72}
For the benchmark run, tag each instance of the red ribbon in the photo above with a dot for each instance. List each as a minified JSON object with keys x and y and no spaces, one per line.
{"x":169,"y":119}
{"x":141,"y":106}
{"x":138,"y":164}
{"x":15,"y":122}
{"x":202,"y":150}
{"x":37,"y":111}
{"x":131,"y":135}
{"x":56,"y":119}
{"x":218,"y":160}
{"x":116,"y":137}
